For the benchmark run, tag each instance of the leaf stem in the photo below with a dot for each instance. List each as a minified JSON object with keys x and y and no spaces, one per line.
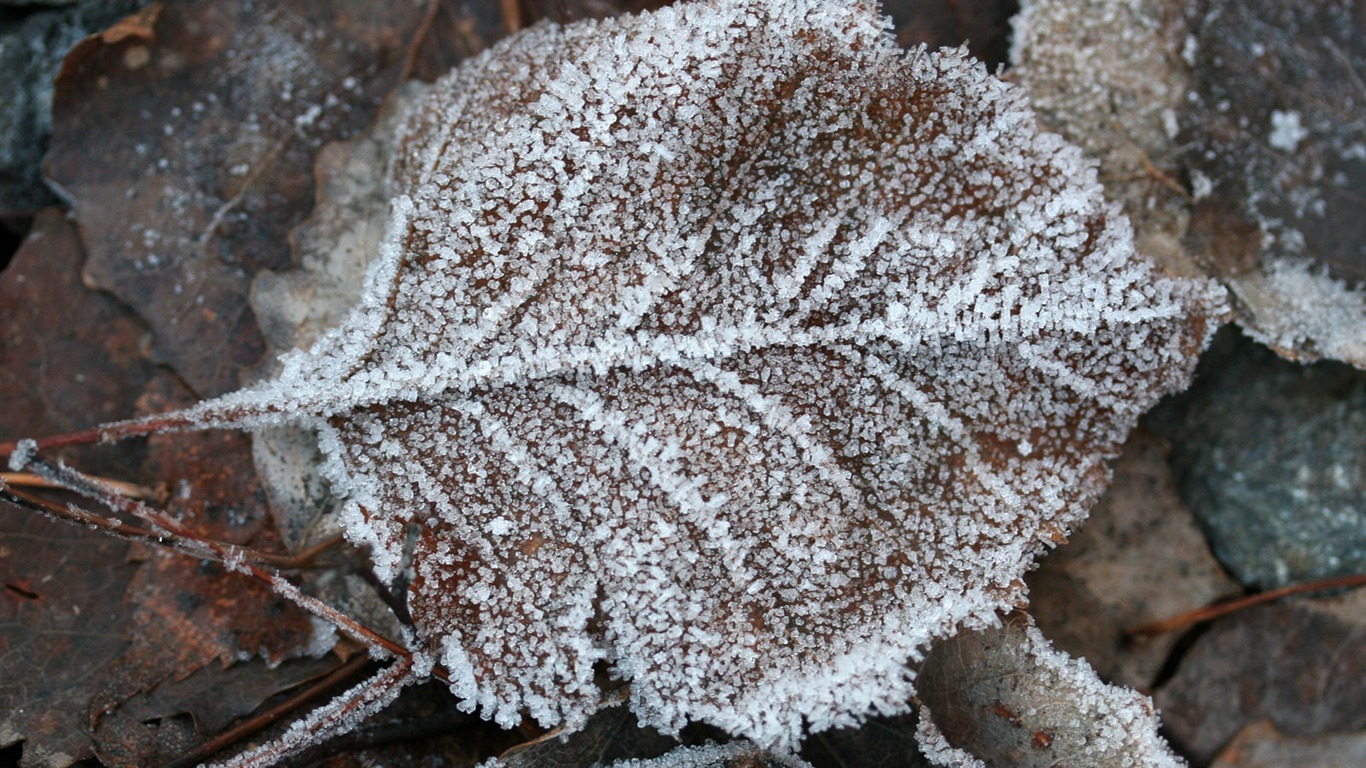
{"x":190,"y":543}
{"x":1211,"y":612}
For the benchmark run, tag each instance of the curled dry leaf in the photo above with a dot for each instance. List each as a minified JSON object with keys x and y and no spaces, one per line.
{"x":1231,"y":134}
{"x":1275,"y":144}
{"x":730,"y":349}
{"x":1004,"y":696}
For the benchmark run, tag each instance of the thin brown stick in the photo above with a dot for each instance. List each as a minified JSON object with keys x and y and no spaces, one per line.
{"x":30,"y":480}
{"x":424,"y":29}
{"x":258,"y":722}
{"x":234,"y":557}
{"x":331,"y":719}
{"x":1190,"y":618}
{"x":64,"y":513}
{"x":443,"y":722}
{"x":106,"y":433}
{"x":70,"y":513}
{"x":231,"y":555}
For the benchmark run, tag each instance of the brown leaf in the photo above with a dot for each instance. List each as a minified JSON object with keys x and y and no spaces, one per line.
{"x":68,"y":355}
{"x":85,"y":627}
{"x":62,"y":623}
{"x":679,"y":355}
{"x":757,"y":373}
{"x":186,"y":141}
{"x":1004,"y":696}
{"x":1300,"y":664}
{"x":163,"y":723}
{"x":1139,"y":557}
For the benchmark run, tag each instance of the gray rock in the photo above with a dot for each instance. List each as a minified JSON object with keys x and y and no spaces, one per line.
{"x":1271,"y":458}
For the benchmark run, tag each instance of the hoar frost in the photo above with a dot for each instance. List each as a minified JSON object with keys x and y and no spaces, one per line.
{"x":732,"y":350}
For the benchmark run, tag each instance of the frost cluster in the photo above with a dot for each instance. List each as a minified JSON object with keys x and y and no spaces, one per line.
{"x":734,"y":351}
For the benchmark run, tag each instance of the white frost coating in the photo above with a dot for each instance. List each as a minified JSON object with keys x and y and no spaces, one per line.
{"x":936,"y":747}
{"x":734,"y":348}
{"x":24,"y":451}
{"x":1124,"y":720}
{"x":1015,"y":671}
{"x":712,"y":756}
{"x":1286,"y":130}
{"x":1277,"y":296}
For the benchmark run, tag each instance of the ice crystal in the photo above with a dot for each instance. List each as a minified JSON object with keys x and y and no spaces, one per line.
{"x":732,"y":350}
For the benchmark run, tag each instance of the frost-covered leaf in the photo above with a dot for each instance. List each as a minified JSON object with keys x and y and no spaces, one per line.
{"x":332,"y":250}
{"x":735,"y":351}
{"x":1006,"y":697}
{"x":1108,"y":76}
{"x":1275,"y":142}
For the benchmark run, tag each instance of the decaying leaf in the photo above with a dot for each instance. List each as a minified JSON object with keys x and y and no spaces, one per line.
{"x":85,"y":621}
{"x":1299,"y":664}
{"x":1275,"y":144}
{"x":1231,"y":133}
{"x":729,"y":349}
{"x":1004,"y":696}
{"x":1139,"y":558}
{"x":184,"y":139}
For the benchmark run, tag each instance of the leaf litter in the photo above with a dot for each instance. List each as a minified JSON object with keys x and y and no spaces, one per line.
{"x":92,"y":622}
{"x":777,"y":386}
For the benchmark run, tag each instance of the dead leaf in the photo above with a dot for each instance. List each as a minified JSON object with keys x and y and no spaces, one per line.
{"x":86,"y":628}
{"x":1139,"y":557}
{"x":67,"y":354}
{"x":1004,"y":696}
{"x":1301,"y":664}
{"x":62,"y":623}
{"x":187,"y":146}
{"x":987,"y":489}
{"x":165,"y":722}
{"x":777,"y":384}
